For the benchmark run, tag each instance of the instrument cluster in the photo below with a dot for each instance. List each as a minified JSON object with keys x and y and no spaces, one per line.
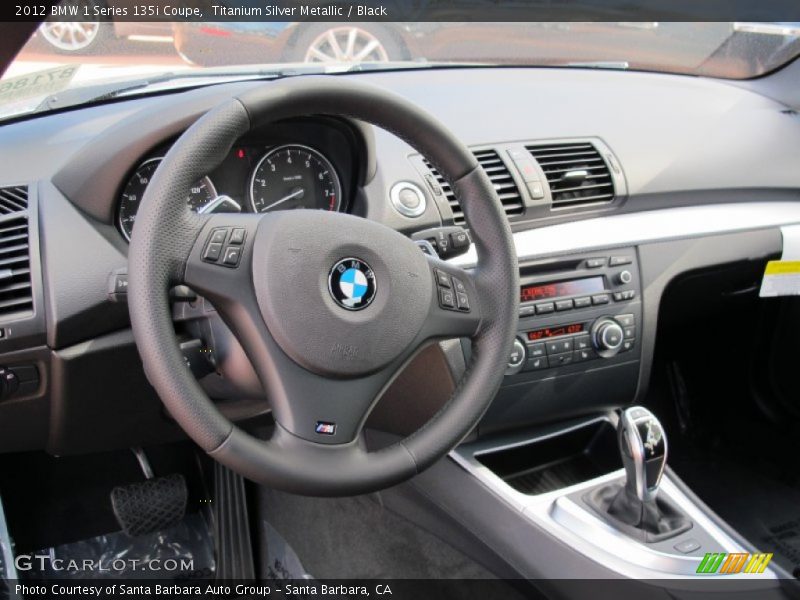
{"x":256,"y":177}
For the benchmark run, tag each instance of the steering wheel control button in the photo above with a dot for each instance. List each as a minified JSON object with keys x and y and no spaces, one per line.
{"x":237,"y":237}
{"x":218,"y":236}
{"x":352,"y":284}
{"x":232,"y":256}
{"x":213,"y":252}
{"x":408,"y":199}
{"x":462,"y":301}
{"x":325,"y":428}
{"x":443,"y":279}
{"x":447,"y":298}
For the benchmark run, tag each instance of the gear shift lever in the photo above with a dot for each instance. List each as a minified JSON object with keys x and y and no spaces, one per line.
{"x":643,"y":446}
{"x":634,"y":507}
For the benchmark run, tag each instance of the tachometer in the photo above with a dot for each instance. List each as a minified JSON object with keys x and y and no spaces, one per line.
{"x":294,"y":177}
{"x":201,"y":194}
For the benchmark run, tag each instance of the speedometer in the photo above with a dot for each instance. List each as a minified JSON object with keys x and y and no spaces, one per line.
{"x":294,"y":177}
{"x":201,"y":194}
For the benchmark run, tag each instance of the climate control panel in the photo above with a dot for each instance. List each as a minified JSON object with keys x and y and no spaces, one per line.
{"x":561,"y":345}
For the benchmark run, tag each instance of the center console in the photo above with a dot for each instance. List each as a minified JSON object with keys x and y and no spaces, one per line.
{"x":577,"y":347}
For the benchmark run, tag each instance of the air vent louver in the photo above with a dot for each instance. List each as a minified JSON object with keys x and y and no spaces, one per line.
{"x":502,"y":180}
{"x":576,"y":172}
{"x":13,"y":199}
{"x":15,"y":274}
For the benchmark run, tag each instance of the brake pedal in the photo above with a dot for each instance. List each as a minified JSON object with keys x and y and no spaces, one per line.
{"x":152,"y":505}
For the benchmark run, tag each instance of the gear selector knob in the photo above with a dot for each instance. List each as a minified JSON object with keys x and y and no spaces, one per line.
{"x":643,"y":446}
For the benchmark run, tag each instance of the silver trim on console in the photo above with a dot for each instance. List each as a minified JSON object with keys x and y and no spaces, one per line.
{"x":587,"y":533}
{"x":8,"y":570}
{"x":648,"y":226}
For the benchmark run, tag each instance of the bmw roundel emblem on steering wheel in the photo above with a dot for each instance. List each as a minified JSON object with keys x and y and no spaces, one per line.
{"x":352,"y":283}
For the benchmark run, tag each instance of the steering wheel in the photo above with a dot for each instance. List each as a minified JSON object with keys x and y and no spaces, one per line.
{"x":328,"y":307}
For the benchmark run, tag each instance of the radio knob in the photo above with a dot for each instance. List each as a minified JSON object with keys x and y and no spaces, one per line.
{"x":625,"y":277}
{"x":607,"y":336}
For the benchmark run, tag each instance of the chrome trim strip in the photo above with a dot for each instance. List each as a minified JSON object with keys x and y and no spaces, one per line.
{"x":8,"y":571}
{"x":649,"y":226}
{"x":589,"y":535}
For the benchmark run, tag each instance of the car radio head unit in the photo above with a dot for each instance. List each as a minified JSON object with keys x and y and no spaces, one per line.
{"x":586,"y":285}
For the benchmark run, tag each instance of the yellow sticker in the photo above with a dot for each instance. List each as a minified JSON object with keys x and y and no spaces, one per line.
{"x":781,"y":278}
{"x":781,"y":267}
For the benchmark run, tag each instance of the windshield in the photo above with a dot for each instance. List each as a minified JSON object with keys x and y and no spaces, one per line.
{"x":69,"y":63}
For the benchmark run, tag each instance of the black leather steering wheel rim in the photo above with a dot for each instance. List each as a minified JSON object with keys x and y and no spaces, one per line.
{"x":165,"y":251}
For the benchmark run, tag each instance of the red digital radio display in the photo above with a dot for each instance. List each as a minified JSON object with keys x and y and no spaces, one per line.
{"x":588,"y":285}
{"x":550,"y":332}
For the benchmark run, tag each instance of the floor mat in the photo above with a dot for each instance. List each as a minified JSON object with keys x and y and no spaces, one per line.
{"x":357,"y":538}
{"x":180,"y":553}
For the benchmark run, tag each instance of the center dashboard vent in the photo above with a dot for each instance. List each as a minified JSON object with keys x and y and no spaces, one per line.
{"x":13,"y":199}
{"x":16,"y":297}
{"x":498,"y":174}
{"x":576,"y":172}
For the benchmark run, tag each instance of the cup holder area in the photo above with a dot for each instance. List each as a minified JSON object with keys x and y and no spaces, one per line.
{"x":557,"y":461}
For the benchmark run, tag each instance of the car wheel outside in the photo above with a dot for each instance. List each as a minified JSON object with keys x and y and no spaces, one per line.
{"x":346,"y":43}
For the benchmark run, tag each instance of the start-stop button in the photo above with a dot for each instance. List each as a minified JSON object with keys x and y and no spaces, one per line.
{"x":408,"y":199}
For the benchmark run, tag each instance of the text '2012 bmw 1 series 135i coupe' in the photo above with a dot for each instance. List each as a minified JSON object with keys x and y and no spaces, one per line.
{"x":414,"y":309}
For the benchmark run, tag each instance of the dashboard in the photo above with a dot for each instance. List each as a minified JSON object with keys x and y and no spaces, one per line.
{"x":613,"y":183}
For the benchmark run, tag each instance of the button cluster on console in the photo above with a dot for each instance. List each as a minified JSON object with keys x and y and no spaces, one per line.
{"x":452,"y":292}
{"x":224,"y":246}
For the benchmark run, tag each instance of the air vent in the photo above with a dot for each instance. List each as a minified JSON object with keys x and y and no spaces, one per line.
{"x":13,"y":199}
{"x":500,"y":177}
{"x":15,"y":273}
{"x":576,"y":172}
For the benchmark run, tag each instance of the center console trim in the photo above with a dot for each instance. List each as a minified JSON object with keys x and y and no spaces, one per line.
{"x":631,"y":229}
{"x":584,"y":531}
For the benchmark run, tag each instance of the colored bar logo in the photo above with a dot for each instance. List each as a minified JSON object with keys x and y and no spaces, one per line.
{"x":721,"y":563}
